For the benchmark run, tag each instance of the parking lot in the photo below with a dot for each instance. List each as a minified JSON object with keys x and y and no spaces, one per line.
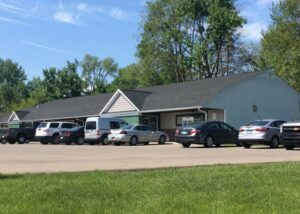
{"x":35,"y":157}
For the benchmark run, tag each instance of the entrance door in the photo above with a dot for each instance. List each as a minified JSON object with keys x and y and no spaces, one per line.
{"x":151,"y":121}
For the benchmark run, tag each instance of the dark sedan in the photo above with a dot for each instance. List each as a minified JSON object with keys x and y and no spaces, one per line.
{"x":75,"y":135}
{"x":207,"y":133}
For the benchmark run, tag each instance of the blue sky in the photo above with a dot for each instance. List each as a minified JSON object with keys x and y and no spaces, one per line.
{"x":43,"y":33}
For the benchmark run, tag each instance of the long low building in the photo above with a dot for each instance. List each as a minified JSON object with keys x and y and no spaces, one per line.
{"x":234,"y":99}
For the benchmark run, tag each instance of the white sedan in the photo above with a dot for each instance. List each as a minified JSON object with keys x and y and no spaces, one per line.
{"x":134,"y":134}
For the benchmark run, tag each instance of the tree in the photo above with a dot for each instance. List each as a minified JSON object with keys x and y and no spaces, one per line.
{"x":96,"y":72}
{"x":128,"y":78}
{"x":281,"y":42}
{"x":69,"y":83}
{"x":12,"y":84}
{"x":187,"y":39}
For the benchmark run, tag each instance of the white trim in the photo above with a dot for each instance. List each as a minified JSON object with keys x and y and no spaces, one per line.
{"x":172,"y":109}
{"x":13,"y":114}
{"x":112,"y":99}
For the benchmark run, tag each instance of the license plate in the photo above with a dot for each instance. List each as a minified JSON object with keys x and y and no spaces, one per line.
{"x":184,"y":132}
{"x":249,"y":132}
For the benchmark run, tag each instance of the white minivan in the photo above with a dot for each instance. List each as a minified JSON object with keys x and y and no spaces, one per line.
{"x":97,"y":129}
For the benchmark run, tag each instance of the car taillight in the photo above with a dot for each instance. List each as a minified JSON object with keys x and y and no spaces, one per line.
{"x":123,"y":132}
{"x":195,"y":131}
{"x":241,"y":130}
{"x":177,"y":132}
{"x":98,"y":132}
{"x":262,"y":129}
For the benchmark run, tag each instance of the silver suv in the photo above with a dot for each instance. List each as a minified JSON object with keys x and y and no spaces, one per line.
{"x":48,"y":132}
{"x":265,"y":132}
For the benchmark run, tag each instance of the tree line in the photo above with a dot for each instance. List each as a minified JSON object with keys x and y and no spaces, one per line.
{"x":180,"y":40}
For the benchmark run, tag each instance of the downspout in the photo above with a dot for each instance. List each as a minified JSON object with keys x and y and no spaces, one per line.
{"x":204,"y":112}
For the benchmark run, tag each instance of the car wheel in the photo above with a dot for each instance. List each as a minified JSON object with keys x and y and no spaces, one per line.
{"x":209,"y":142}
{"x":43,"y":142}
{"x":11,"y":142}
{"x":217,"y":145}
{"x":56,"y":139}
{"x":289,"y":147}
{"x":186,"y":145}
{"x":133,"y":141}
{"x":146,"y":143}
{"x":80,"y":141}
{"x":162,"y":140}
{"x":274,"y":142}
{"x":21,"y":139}
{"x":104,"y":140}
{"x":3,"y":141}
{"x":68,"y":142}
{"x":247,"y":146}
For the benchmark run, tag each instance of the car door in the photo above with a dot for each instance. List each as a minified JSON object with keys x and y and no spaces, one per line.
{"x":214,"y":130}
{"x":138,"y":131}
{"x":151,"y":135}
{"x":229,"y":134}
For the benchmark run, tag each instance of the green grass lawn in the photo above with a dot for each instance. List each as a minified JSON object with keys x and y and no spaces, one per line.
{"x":253,"y":188}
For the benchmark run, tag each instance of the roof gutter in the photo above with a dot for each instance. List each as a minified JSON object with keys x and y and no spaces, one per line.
{"x":172,"y":109}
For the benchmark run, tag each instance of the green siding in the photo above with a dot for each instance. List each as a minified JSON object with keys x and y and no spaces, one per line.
{"x":14,"y":125}
{"x":131,"y":119}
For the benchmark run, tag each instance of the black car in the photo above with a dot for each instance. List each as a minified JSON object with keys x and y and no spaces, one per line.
{"x":207,"y":133}
{"x":75,"y":135}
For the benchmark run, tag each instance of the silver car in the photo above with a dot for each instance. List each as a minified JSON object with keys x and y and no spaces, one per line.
{"x":134,"y":134}
{"x":265,"y":132}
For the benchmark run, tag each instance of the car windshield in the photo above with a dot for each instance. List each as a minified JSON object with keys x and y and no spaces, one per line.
{"x":42,"y":125}
{"x":258,"y":123}
{"x":127,"y":127}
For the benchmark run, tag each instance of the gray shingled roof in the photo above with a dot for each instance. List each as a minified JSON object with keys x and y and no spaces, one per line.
{"x":4,"y":116}
{"x":190,"y":93}
{"x":177,"y":95}
{"x":70,"y":107}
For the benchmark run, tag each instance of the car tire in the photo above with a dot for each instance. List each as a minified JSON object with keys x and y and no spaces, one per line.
{"x":146,"y":143}
{"x":133,"y":141}
{"x":44,"y":142}
{"x":274,"y":142}
{"x":55,"y":139}
{"x":162,"y":139}
{"x":68,"y":142}
{"x":11,"y":142}
{"x":209,"y":142}
{"x":104,"y":140}
{"x":247,"y":146}
{"x":80,"y":141}
{"x":289,"y":147}
{"x":186,"y":145}
{"x":22,"y":139}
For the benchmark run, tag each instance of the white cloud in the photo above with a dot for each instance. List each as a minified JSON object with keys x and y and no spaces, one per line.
{"x":118,"y":13}
{"x":67,"y":17}
{"x":49,"y":48}
{"x":90,"y":9}
{"x":253,"y":31}
{"x":14,"y":21}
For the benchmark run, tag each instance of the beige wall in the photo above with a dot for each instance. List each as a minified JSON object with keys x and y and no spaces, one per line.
{"x":216,"y":115}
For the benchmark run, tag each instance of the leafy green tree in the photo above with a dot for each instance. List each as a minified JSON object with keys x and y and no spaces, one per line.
{"x":187,"y":39}
{"x":96,"y":72}
{"x":68,"y":82}
{"x":128,"y":78}
{"x":281,"y":42}
{"x":12,"y":84}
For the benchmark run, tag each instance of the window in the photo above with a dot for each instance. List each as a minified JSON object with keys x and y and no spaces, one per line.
{"x":213,"y":126}
{"x":43,"y":125}
{"x":54,"y":125}
{"x":67,"y":126}
{"x":258,"y":123}
{"x":279,"y":123}
{"x":114,"y":125}
{"x":139,"y":128}
{"x":148,"y":128}
{"x":27,"y":125}
{"x":124,"y":124}
{"x":273,"y":124}
{"x":226,"y":127}
{"x":189,"y":119}
{"x":90,"y":125}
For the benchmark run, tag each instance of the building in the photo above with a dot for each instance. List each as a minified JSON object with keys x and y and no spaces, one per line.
{"x":235,"y":99}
